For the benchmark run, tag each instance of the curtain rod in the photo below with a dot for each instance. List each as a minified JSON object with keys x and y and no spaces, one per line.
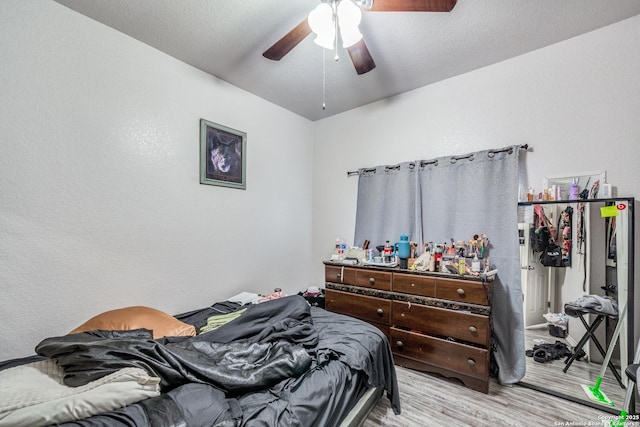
{"x":453,"y":159}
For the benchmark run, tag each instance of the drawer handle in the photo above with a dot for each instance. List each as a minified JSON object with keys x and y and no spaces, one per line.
{"x":471,"y":362}
{"x":380,"y":312}
{"x":473,"y":329}
{"x":460,"y":291}
{"x":338,"y":276}
{"x":413,"y":285}
{"x":372,"y":280}
{"x":399,"y":344}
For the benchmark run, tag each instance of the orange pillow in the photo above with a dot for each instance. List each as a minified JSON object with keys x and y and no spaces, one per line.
{"x":128,"y":318}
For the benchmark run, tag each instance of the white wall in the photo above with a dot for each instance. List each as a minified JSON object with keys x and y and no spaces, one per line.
{"x":576,"y":103}
{"x":101,"y":205}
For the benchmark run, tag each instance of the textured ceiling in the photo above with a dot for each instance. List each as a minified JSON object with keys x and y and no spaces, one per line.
{"x":226,"y":38}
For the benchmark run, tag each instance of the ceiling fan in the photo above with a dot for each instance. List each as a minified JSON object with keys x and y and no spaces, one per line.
{"x":331,"y":17}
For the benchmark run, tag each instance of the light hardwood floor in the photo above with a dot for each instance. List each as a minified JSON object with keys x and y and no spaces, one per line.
{"x":550,"y":374}
{"x":432,"y":400}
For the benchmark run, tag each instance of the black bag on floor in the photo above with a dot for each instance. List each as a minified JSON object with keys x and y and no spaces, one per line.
{"x":548,"y":352}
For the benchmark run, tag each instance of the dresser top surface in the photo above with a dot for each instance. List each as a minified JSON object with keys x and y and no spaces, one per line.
{"x":397,"y":269}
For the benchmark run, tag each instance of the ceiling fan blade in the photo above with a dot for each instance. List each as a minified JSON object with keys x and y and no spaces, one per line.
{"x":288,"y":42}
{"x":413,"y":5}
{"x":361,"y":57}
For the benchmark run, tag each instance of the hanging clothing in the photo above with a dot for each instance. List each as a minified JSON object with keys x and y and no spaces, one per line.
{"x":564,"y":235}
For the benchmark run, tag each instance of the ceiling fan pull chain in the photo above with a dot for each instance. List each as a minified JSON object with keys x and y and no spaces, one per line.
{"x":324,"y":79}
{"x":335,"y":22}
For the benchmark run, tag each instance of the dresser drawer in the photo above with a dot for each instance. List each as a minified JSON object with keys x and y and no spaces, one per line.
{"x":373,"y":279}
{"x":414,"y":284}
{"x":459,"y":358}
{"x":473,"y":328}
{"x":372,"y":309}
{"x":338,"y":274}
{"x":463,"y":290}
{"x":384,"y":328}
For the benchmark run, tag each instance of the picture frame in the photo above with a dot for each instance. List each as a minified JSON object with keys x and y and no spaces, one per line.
{"x":223,"y":155}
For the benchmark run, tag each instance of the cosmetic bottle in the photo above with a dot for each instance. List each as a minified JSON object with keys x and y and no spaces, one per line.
{"x":574,"y":190}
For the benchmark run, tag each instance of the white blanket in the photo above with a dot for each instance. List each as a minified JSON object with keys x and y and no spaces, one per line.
{"x":34,"y":395}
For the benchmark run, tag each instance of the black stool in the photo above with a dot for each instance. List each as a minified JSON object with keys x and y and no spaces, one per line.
{"x":579,"y":312}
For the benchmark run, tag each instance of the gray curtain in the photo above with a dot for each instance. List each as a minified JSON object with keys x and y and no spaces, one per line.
{"x":387,"y":204}
{"x":457,"y":197}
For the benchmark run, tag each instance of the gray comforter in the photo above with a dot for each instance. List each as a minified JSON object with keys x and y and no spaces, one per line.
{"x":280,"y":363}
{"x":235,"y":368}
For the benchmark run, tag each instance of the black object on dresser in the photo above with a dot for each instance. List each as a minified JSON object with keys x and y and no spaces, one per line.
{"x":435,"y":322}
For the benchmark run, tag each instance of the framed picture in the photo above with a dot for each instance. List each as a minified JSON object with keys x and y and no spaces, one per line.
{"x":223,"y":155}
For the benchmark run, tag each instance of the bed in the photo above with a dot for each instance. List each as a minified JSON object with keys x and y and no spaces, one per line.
{"x":277,"y":363}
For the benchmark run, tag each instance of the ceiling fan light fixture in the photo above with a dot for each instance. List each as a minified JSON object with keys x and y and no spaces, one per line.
{"x":322,"y":24}
{"x":349,"y":17}
{"x":350,"y":36}
{"x":326,"y":39}
{"x":349,"y":14}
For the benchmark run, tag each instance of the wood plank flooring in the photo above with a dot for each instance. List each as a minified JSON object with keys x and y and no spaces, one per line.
{"x":432,"y":400}
{"x":550,"y":374}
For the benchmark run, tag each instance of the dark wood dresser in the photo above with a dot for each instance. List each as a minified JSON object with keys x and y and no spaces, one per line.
{"x":435,"y":322}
